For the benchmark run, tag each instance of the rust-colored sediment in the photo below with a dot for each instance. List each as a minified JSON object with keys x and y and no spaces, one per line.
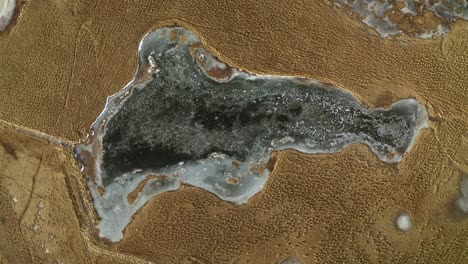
{"x":215,"y":73}
{"x":62,"y":59}
{"x":132,"y":196}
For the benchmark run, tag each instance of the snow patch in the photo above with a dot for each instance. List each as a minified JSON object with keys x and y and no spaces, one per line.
{"x":404,"y":222}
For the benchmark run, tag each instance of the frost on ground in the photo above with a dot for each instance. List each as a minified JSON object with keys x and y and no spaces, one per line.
{"x":189,"y":118}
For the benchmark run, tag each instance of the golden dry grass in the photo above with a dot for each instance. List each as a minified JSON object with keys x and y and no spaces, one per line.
{"x":62,"y":59}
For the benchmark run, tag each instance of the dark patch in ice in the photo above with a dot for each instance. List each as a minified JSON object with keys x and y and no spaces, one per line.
{"x":182,"y":115}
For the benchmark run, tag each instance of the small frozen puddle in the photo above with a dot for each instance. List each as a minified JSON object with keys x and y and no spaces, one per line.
{"x":189,"y":118}
{"x":403,"y":222}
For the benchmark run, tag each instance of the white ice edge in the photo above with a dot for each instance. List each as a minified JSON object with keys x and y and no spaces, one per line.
{"x":7,"y":11}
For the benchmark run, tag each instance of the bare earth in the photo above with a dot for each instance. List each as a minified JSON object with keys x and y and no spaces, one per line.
{"x":60,"y":60}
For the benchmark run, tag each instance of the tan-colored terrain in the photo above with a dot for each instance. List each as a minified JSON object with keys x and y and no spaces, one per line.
{"x":61,"y":59}
{"x":39,"y":220}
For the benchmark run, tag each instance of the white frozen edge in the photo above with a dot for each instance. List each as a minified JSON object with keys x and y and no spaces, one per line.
{"x":439,"y":32}
{"x":7,"y":11}
{"x":365,"y":8}
{"x":114,"y":208}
